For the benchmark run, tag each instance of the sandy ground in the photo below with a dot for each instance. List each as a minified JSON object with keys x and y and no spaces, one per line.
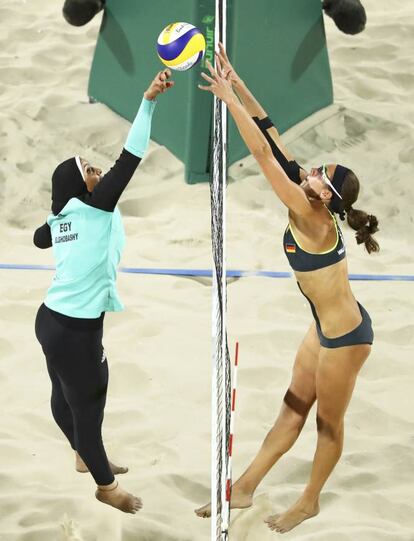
{"x":158,"y":411}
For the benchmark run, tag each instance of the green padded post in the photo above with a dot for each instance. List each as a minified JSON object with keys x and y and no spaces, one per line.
{"x":278,"y":46}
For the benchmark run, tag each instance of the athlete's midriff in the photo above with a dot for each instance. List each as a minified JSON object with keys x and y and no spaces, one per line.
{"x":329,"y":290}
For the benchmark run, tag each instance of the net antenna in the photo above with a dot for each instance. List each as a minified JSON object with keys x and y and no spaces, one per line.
{"x":221,"y":371}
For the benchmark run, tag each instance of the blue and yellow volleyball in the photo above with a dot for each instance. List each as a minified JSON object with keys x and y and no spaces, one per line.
{"x":181,"y":46}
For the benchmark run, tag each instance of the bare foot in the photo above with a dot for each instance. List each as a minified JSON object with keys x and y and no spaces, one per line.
{"x":239,"y":500}
{"x":81,"y":467}
{"x":118,"y":498}
{"x":292,"y":517}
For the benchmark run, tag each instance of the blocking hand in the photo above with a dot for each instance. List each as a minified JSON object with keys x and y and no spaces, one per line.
{"x":220,"y":85}
{"x":228,"y":71}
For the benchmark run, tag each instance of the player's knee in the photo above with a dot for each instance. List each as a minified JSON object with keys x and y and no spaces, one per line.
{"x":329,"y":428}
{"x":58,"y":410}
{"x":297,"y":405}
{"x":88,"y":409}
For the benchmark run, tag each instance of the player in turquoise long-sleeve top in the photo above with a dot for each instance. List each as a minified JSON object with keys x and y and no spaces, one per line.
{"x":86,"y":232}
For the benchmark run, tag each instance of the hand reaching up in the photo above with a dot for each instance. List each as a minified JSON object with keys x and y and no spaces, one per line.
{"x":159,"y":85}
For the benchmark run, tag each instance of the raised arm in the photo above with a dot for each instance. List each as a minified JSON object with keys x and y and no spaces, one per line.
{"x":259,"y":115}
{"x":107,"y":192}
{"x":289,"y":193}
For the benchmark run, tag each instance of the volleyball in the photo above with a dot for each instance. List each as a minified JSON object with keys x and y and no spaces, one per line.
{"x":180,"y":46}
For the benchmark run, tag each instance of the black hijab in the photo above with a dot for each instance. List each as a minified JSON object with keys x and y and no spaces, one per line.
{"x":67,"y":182}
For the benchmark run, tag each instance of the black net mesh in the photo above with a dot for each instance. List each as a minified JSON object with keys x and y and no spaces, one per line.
{"x":222,"y":371}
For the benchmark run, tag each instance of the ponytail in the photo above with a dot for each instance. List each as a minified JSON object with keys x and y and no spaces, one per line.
{"x":365,"y":226}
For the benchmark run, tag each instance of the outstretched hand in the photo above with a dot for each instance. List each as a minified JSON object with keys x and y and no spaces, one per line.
{"x":228,"y":71}
{"x":220,"y":85}
{"x":159,"y":85}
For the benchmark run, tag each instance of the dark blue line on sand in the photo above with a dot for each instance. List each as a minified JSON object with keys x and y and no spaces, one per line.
{"x":230,"y":273}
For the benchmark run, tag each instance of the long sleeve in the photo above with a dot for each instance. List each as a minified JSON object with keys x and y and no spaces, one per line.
{"x":42,"y":237}
{"x":106,"y":194}
{"x":140,"y":132}
{"x":290,"y":167}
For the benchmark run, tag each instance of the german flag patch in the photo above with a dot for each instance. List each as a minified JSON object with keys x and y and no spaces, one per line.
{"x":290,"y":248}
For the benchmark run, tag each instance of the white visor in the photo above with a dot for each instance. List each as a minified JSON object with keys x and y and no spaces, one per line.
{"x":328,"y":182}
{"x":78,"y":163}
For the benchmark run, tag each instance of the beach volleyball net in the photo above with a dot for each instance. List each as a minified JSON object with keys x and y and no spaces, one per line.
{"x":221,"y":372}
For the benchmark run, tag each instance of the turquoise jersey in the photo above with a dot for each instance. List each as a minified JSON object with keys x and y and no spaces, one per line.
{"x":87,"y":245}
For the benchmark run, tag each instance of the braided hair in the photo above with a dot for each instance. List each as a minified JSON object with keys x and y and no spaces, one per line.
{"x":363,"y":223}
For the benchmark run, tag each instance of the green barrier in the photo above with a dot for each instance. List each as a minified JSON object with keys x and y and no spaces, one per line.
{"x":277,"y":46}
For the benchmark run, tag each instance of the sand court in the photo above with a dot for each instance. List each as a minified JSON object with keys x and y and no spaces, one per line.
{"x":157,"y":418}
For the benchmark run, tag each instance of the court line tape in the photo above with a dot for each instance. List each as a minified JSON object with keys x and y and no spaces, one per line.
{"x":230,"y":273}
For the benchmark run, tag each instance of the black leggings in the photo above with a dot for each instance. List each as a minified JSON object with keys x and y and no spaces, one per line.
{"x":78,"y":369}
